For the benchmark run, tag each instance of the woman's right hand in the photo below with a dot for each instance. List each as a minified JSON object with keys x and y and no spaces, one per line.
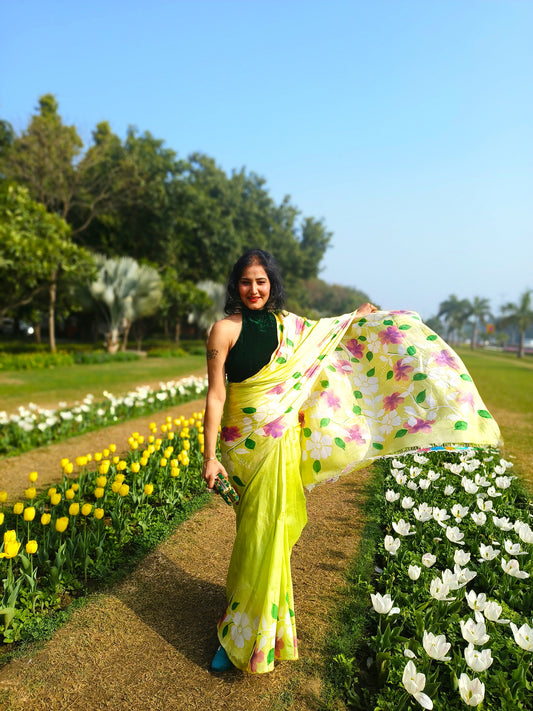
{"x":210,"y":471}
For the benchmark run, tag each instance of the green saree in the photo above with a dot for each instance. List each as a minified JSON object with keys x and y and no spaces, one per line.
{"x":337,"y":394}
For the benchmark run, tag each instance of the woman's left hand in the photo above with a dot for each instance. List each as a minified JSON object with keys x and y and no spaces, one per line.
{"x":365,"y":309}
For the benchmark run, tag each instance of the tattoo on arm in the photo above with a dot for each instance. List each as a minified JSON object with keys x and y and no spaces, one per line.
{"x":211,"y":354}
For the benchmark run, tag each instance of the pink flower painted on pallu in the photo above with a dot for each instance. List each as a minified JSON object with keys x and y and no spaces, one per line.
{"x":299,"y":326}
{"x":332,"y":400}
{"x":354,"y":435}
{"x":275,"y":428}
{"x":419,"y":425}
{"x":258,"y":657}
{"x":230,"y":434}
{"x":355,"y":347}
{"x":345,"y":366}
{"x":392,"y":402}
{"x":401,"y":370}
{"x":445,"y":358}
{"x":280,"y":644}
{"x":466,"y":399}
{"x":391,"y":334}
{"x":313,"y":369}
{"x":276,"y":390}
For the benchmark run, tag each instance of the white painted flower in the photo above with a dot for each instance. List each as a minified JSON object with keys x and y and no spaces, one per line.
{"x":391,"y":496}
{"x":480,"y":518}
{"x":513,"y":548}
{"x":319,"y":445}
{"x":391,"y":544}
{"x":461,"y":557}
{"x":424,"y":512}
{"x":414,"y":572}
{"x":474,"y":631}
{"x":523,"y":636}
{"x":472,"y":690}
{"x":478,"y":660}
{"x":240,"y":629}
{"x":476,"y":602}
{"x":503,"y":523}
{"x":487,"y":552}
{"x":414,"y":684}
{"x":407,"y":502}
{"x":455,"y":535}
{"x":512,"y":568}
{"x":436,"y":646}
{"x":428,"y":559}
{"x":383,"y":604}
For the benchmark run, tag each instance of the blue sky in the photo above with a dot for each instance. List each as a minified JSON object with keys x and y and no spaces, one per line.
{"x":405,"y":124}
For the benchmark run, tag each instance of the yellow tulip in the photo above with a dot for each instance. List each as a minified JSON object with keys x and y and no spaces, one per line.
{"x":86,"y":509}
{"x":121,"y":465}
{"x":115,"y":486}
{"x":29,"y":513}
{"x":10,"y":536}
{"x":74,"y":509}
{"x":124,"y":490}
{"x":64,"y":462}
{"x":61,"y":524}
{"x":30,"y":492}
{"x":89,"y":457}
{"x":112,"y":447}
{"x":1,"y":519}
{"x":32,"y":476}
{"x":168,"y":451}
{"x":98,"y":492}
{"x":140,"y":439}
{"x":31,"y":547}
{"x":143,"y":462}
{"x":97,"y":456}
{"x":151,"y":439}
{"x":163,"y":429}
{"x":55,"y":499}
{"x":163,"y":462}
{"x":120,"y":477}
{"x":3,"y":497}
{"x":106,"y":452}
{"x":68,"y":468}
{"x":170,"y":435}
{"x":116,"y":459}
{"x":81,"y":461}
{"x":11,"y":549}
{"x":104,"y":467}
{"x":18,"y":508}
{"x":99,"y":513}
{"x":135,"y":466}
{"x":200,"y":438}
{"x":52,"y":491}
{"x":185,"y":461}
{"x":101,"y":481}
{"x":134,"y":445}
{"x":186,"y":444}
{"x":45,"y":519}
{"x":174,"y":472}
{"x":70,"y":494}
{"x":75,"y":486}
{"x":148,"y":489}
{"x":184,"y":432}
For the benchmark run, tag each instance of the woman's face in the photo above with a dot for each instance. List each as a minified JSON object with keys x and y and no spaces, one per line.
{"x":254,"y":286}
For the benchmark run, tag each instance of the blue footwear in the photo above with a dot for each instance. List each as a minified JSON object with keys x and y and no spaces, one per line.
{"x":221,"y":662}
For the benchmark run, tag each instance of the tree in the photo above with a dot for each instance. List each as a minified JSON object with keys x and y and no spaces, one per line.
{"x":123,"y":291}
{"x":455,"y":312}
{"x":479,"y":309}
{"x":39,"y":264}
{"x":179,"y":299}
{"x":519,"y":316}
{"x":204,"y":318}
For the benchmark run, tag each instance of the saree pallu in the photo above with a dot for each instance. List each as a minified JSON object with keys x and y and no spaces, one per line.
{"x":337,"y":394}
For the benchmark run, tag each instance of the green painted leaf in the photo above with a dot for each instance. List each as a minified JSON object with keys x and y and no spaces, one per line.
{"x":332,"y":368}
{"x":249,"y":410}
{"x":324,"y":383}
{"x":340,"y":442}
{"x":306,"y":323}
{"x":339,"y":348}
{"x":356,"y":410}
{"x":321,"y":357}
{"x":362,"y":338}
{"x":358,"y":395}
{"x":369,"y":356}
{"x":297,"y":374}
{"x":411,"y":350}
{"x":377,"y":445}
{"x":324,"y":422}
{"x":281,"y":360}
{"x":400,"y":433}
{"x":225,"y":631}
{"x":461,"y":425}
{"x":234,"y":605}
{"x":388,"y":322}
{"x":404,"y":327}
{"x":419,"y":376}
{"x":355,"y":360}
{"x":371,"y":372}
{"x":291,"y":612}
{"x":484,"y":413}
{"x":307,"y":432}
{"x":421,"y":396}
{"x":297,"y":386}
{"x":274,"y":611}
{"x":317,"y":466}
{"x":249,"y":443}
{"x":289,"y":342}
{"x":466,"y":377}
{"x":389,"y":374}
{"x":237,"y":481}
{"x":289,"y":409}
{"x":433,"y":337}
{"x":271,"y":655}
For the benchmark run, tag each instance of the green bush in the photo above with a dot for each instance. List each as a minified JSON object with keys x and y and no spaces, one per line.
{"x":34,"y":361}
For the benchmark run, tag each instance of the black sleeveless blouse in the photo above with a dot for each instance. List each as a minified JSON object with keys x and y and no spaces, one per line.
{"x":253,"y":349}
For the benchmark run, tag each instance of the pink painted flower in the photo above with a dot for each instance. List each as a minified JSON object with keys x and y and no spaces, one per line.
{"x":280,"y":644}
{"x":392,"y":402}
{"x":276,"y":390}
{"x":301,"y":418}
{"x":331,"y":399}
{"x":466,"y":399}
{"x":419,"y":425}
{"x":401,"y":370}
{"x":313,"y":369}
{"x":391,"y":334}
{"x":355,"y":347}
{"x":299,"y":326}
{"x":345,"y":366}
{"x":230,"y":434}
{"x":354,"y":435}
{"x":258,"y":657}
{"x":446,"y":359}
{"x":275,"y":428}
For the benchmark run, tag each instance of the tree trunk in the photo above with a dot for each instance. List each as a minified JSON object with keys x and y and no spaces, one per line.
{"x":111,"y":342}
{"x":521,"y":348}
{"x":473,"y":340}
{"x":37,"y":331}
{"x":125,"y":336}
{"x":52,"y":314}
{"x":177,"y":332}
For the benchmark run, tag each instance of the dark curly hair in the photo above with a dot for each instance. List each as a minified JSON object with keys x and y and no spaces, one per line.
{"x":276,"y":300}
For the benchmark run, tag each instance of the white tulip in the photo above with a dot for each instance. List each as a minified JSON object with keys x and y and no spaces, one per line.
{"x":439,"y":590}
{"x":407,"y":502}
{"x":484,"y":504}
{"x":440,"y":515}
{"x":512,"y":568}
{"x":428,"y":559}
{"x":523,"y":636}
{"x":524,"y":532}
{"x":454,"y":535}
{"x":478,"y":660}
{"x":493,"y":611}
{"x":397,"y":464}
{"x":402,"y":528}
{"x":424,"y":484}
{"x":475,"y":632}
{"x":424,"y":512}
{"x":414,"y":472}
{"x":420,"y":459}
{"x":476,"y":602}
{"x":513,"y":548}
{"x":433,"y":476}
{"x":454,"y":468}
{"x":400,"y":477}
{"x":459,"y":512}
{"x":472,"y":690}
{"x":469,"y":486}
{"x":493,"y":492}
{"x":481,"y":480}
{"x":412,"y":485}
{"x":414,"y":684}
{"x":479,"y":518}
{"x":391,"y":496}
{"x":436,"y":646}
{"x":503,"y":482}
{"x":383,"y":604}
{"x":487,"y":552}
{"x":502,"y":523}
{"x":391,"y":544}
{"x":461,"y":557}
{"x":414,"y":572}
{"x":464,"y":575}
{"x":449,"y":490}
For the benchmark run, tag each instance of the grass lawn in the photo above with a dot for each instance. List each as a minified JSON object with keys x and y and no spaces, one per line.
{"x":72,"y":383}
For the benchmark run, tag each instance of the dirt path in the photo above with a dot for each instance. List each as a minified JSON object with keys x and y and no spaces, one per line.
{"x":146,"y":644}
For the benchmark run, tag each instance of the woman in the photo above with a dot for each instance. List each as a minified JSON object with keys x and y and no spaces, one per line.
{"x":304,"y":402}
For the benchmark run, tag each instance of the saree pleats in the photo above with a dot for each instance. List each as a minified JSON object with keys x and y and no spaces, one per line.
{"x":337,"y":394}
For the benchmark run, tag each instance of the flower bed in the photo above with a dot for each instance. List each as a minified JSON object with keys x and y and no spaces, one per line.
{"x":449,"y":616}
{"x":111,"y":510}
{"x":33,"y":426}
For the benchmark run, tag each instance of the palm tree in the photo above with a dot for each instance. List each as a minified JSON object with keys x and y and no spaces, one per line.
{"x":480,"y":310}
{"x":455,"y":312}
{"x":520,"y":316}
{"x":204,"y":318}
